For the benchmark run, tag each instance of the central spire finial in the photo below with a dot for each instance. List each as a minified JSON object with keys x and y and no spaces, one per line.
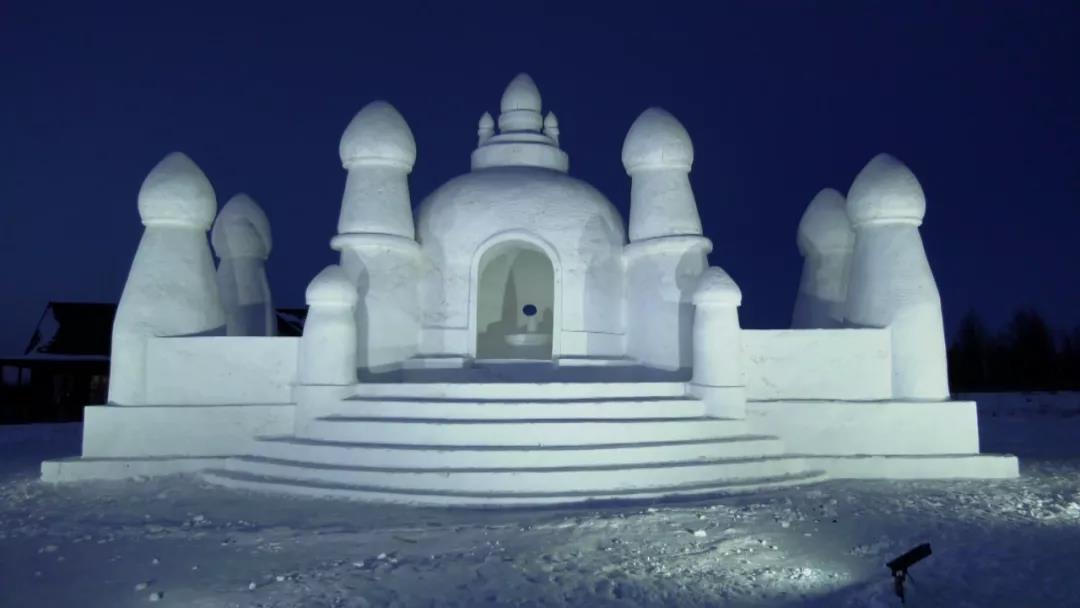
{"x":525,"y":137}
{"x":520,"y":106}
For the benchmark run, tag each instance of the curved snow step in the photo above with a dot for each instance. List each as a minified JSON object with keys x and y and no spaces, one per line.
{"x":261,"y":483}
{"x":519,"y":479}
{"x":538,"y":391}
{"x":519,"y":432}
{"x":420,"y":456}
{"x":447,"y":408}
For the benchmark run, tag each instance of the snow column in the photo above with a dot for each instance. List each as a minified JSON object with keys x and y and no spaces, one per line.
{"x":241,"y":239}
{"x":328,"y":345}
{"x":718,"y":376}
{"x":666,"y":253}
{"x":891,"y":283}
{"x":825,"y":240}
{"x":170,"y":290}
{"x":376,"y":236}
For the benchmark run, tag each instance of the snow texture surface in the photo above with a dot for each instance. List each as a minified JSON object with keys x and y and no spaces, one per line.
{"x":177,"y":542}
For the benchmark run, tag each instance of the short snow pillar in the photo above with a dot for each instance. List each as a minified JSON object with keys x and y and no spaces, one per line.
{"x":718,"y":376}
{"x":328,"y":346}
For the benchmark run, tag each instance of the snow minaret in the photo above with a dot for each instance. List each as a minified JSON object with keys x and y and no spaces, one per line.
{"x":376,"y":235}
{"x":171,"y":289}
{"x":825,"y":241}
{"x":525,"y":138}
{"x":242,"y":241}
{"x":891,"y":284}
{"x":666,"y":246}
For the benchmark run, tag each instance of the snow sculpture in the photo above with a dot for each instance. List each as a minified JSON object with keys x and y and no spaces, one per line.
{"x":513,"y":348}
{"x":825,"y":240}
{"x":376,"y":236}
{"x":718,"y":377}
{"x":328,"y":346}
{"x":891,"y":283}
{"x":170,"y":290}
{"x":241,"y":240}
{"x":666,"y":252}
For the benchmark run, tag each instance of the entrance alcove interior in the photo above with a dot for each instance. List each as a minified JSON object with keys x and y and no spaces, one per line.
{"x":515,"y":302}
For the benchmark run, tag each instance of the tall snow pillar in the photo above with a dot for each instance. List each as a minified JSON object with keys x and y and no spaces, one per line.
{"x":825,"y":240}
{"x":891,"y":284}
{"x":667,"y":252}
{"x":377,"y":238}
{"x":170,"y":290}
{"x":242,"y":241}
{"x":718,"y":376}
{"x":328,"y":345}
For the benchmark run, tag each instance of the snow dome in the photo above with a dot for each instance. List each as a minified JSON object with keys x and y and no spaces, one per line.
{"x":717,"y":287}
{"x":886,"y":190}
{"x":824,"y":226}
{"x":241,"y":229}
{"x":330,"y":286}
{"x":177,"y":191}
{"x":518,"y":223}
{"x":657,"y":139}
{"x":378,"y":133}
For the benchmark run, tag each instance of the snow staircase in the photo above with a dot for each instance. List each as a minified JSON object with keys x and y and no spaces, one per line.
{"x":514,"y":443}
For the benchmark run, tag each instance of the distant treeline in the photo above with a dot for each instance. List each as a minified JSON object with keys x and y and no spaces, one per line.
{"x":1026,"y":355}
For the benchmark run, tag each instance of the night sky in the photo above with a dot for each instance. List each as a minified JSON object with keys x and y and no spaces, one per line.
{"x":980,"y":99}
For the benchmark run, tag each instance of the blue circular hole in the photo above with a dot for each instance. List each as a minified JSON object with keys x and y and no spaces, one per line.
{"x":529,"y":310}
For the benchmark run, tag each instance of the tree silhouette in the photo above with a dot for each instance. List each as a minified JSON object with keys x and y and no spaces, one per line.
{"x":1024,"y":356}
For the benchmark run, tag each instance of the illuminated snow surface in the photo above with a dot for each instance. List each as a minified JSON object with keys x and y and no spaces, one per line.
{"x":177,"y":542}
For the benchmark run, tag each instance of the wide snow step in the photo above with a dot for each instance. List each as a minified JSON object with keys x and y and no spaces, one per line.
{"x":282,"y":485}
{"x":427,"y":456}
{"x":533,"y":391}
{"x":520,"y":432}
{"x":534,"y":479}
{"x":625,"y":407}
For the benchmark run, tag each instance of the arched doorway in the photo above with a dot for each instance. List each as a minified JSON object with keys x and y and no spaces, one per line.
{"x":515,"y":302}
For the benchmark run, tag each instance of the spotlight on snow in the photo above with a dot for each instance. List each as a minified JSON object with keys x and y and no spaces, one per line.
{"x":900,"y":565}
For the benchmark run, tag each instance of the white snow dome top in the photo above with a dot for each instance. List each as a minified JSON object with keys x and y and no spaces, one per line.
{"x":824,"y":227}
{"x":331,"y":286}
{"x":241,"y":229}
{"x":520,"y":94}
{"x":378,"y":135}
{"x":177,"y":192}
{"x":657,"y":140}
{"x":570,"y":214}
{"x":886,"y":191}
{"x":717,"y":287}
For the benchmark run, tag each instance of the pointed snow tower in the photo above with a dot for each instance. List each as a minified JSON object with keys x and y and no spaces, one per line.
{"x":825,"y":240}
{"x":170,"y":290}
{"x":242,"y":241}
{"x":376,"y":235}
{"x":667,"y":252}
{"x":891,"y":283}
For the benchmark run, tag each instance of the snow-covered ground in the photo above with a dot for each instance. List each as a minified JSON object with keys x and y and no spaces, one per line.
{"x":996,"y":543}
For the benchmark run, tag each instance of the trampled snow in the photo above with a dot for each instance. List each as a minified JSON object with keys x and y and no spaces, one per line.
{"x":178,"y":542}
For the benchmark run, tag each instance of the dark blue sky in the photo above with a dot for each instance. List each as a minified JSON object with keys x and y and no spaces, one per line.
{"x":781,"y":99}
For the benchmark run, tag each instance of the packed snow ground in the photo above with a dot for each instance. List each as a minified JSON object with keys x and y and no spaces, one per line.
{"x":179,"y":542}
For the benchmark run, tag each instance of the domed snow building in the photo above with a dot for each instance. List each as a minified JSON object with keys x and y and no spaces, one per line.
{"x":515,"y":342}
